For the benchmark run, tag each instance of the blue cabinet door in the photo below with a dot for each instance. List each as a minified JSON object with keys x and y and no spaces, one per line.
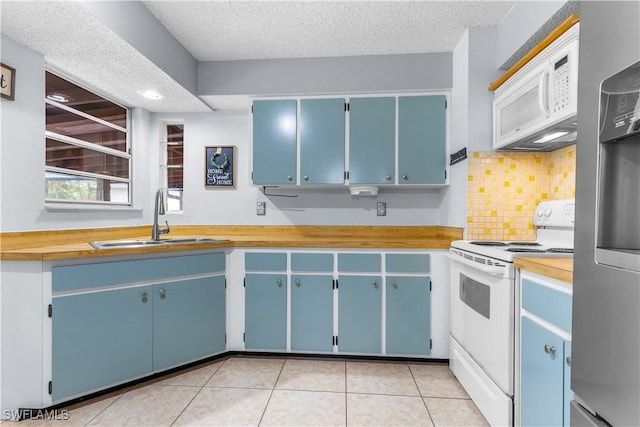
{"x":372,"y":138}
{"x":266,"y":311}
{"x":322,"y":141}
{"x":99,"y":339}
{"x":408,"y":317}
{"x":188,"y":320}
{"x":312,"y":312}
{"x":421,"y":139}
{"x":274,"y":141}
{"x":360,"y":314}
{"x":541,"y":376}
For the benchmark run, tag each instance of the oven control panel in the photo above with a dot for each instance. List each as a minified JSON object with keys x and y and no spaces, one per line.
{"x":555,"y":213}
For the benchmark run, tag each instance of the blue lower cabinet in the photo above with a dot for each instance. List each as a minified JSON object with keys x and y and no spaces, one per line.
{"x":542,"y":377}
{"x":100,"y":338}
{"x":188,"y":320}
{"x":311,"y":313}
{"x":408,"y":317}
{"x":360,"y":314}
{"x":266,"y":311}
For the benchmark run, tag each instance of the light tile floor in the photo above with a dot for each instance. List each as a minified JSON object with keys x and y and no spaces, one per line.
{"x":286,"y":391}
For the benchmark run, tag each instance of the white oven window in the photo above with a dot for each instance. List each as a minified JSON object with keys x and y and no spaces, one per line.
{"x":476,"y":295}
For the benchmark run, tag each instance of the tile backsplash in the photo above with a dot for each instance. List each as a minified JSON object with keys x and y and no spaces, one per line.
{"x":503,"y":189}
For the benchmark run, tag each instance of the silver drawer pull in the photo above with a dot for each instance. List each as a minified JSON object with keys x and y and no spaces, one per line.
{"x":290,"y":178}
{"x":298,"y":282}
{"x":374,"y":284}
{"x":569,"y":361}
{"x":394,"y":284}
{"x":279,"y":283}
{"x":388,"y":177}
{"x":145,"y":297}
{"x":549,"y":349}
{"x":163,"y":294}
{"x":405,"y":177}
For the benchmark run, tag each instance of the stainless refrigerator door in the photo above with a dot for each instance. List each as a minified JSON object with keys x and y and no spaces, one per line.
{"x":606,"y":300}
{"x":580,"y":417}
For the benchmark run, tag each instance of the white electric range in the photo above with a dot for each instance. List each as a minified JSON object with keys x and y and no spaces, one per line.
{"x":483,"y":295}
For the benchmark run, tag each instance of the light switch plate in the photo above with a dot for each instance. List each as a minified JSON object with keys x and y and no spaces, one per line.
{"x":261,"y":208}
{"x":382,"y":208}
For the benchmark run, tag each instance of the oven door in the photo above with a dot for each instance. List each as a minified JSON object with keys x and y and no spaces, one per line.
{"x":482,"y":316}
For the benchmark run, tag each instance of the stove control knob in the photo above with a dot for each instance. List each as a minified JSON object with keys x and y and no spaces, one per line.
{"x":547,"y":212}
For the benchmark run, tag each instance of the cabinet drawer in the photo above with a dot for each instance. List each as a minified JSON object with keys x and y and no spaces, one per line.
{"x":311,"y":262}
{"x":548,"y":303}
{"x":111,"y":273}
{"x":263,"y":261}
{"x":359,"y":262}
{"x":407,"y":263}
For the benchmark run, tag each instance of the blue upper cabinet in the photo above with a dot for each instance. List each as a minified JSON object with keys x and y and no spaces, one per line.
{"x":322,"y":141}
{"x":421,"y":139}
{"x":372,"y":136}
{"x":274,"y":141}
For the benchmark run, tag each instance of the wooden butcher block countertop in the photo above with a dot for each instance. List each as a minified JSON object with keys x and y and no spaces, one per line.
{"x":560,"y":268}
{"x":65,"y":244}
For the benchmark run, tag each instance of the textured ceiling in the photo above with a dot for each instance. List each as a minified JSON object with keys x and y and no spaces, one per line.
{"x":238,"y":30}
{"x":76,"y":43}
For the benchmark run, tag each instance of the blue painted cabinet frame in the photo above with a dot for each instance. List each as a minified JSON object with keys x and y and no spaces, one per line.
{"x":108,"y":329}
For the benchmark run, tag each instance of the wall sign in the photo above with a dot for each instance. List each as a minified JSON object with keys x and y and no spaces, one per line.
{"x":220,"y":166}
{"x":7,"y":82}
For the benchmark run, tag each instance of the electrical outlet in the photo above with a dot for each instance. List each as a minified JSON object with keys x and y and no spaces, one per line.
{"x":382,"y":208}
{"x":261,"y":208}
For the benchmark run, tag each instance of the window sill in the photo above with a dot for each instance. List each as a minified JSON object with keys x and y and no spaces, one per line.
{"x":64,"y":207}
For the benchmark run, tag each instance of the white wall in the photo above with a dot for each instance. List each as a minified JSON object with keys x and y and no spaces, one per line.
{"x":238,"y":206}
{"x":522,"y":21}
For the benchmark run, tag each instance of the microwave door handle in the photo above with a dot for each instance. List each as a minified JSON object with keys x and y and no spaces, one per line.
{"x":543,"y":98}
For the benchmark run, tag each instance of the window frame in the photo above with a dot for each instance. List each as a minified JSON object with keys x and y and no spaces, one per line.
{"x":74,"y":142}
{"x":163,"y":181}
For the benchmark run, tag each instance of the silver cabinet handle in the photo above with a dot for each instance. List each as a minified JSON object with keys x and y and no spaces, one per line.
{"x":394,"y":284}
{"x":290,"y":178}
{"x":306,"y":178}
{"x":298,"y":282}
{"x":405,"y":177}
{"x":279,"y":283}
{"x":569,"y":361}
{"x":374,"y":284}
{"x":145,"y":297}
{"x":549,"y":349}
{"x":163,"y":294}
{"x":388,"y":177}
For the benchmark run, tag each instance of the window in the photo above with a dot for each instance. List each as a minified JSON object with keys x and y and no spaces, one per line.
{"x":172,"y":165}
{"x":88,"y":159}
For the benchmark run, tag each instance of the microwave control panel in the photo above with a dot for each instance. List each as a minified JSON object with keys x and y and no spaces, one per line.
{"x":561,"y":90}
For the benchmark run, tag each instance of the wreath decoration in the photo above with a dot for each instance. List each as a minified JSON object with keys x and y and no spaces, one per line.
{"x":214,"y":163}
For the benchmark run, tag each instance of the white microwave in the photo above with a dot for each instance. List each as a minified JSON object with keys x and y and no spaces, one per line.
{"x":536,"y":108}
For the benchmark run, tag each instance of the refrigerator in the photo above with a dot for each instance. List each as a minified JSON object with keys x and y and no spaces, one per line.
{"x":605,"y":368}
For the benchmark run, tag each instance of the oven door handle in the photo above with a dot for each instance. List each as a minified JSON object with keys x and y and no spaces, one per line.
{"x":488,"y":269}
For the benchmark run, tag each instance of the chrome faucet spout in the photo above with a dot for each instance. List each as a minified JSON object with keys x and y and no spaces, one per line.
{"x":159,"y":209}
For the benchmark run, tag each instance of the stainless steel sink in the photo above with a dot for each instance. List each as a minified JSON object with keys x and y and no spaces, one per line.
{"x":113,"y":244}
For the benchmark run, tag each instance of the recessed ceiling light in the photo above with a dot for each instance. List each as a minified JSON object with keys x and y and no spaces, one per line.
{"x":58,"y":97}
{"x":150,"y":94}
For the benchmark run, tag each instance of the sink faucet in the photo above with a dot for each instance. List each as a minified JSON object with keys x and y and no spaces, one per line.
{"x":157,"y":230}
